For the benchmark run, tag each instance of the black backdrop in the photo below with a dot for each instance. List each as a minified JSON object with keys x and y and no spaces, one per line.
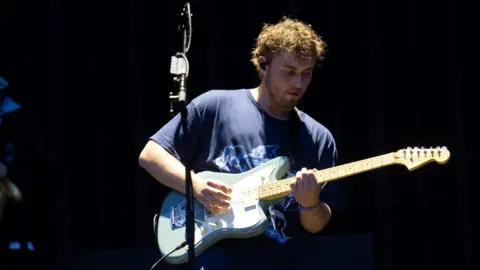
{"x":93,"y":77}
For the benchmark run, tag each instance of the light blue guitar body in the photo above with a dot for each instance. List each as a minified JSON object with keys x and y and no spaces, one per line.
{"x":245,"y":219}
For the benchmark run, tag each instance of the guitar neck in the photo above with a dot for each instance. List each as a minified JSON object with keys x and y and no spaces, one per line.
{"x":282,"y":188}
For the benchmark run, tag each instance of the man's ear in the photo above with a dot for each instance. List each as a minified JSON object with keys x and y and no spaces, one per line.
{"x":262,"y":62}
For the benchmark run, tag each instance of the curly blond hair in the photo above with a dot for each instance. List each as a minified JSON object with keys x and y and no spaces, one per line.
{"x":288,"y":35}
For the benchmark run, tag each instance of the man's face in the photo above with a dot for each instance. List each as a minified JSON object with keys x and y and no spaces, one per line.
{"x":287,"y":78}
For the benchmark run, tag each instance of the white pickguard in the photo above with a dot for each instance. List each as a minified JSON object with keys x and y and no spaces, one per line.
{"x":244,"y":209}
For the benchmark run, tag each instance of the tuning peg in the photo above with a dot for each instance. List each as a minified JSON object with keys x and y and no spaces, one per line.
{"x":417,"y":150}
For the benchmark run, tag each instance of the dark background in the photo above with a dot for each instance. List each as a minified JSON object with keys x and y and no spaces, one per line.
{"x":93,"y":79}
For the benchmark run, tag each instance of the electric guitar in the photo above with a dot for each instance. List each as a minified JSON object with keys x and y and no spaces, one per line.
{"x":251,"y":191}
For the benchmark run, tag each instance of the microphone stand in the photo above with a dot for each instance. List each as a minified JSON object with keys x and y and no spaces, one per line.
{"x":180,"y":67}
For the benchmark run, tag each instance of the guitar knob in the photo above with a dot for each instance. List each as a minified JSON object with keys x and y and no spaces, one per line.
{"x":219,"y":224}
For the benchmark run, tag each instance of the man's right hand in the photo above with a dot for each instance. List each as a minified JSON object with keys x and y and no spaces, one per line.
{"x":214,"y":195}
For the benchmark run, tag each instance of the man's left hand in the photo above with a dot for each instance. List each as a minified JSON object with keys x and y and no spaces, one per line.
{"x":306,"y":189}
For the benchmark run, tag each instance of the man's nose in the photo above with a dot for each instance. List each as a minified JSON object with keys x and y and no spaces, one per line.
{"x":297,"y":81}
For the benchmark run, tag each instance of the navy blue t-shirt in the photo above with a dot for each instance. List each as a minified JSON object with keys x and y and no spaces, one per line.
{"x":229,"y":132}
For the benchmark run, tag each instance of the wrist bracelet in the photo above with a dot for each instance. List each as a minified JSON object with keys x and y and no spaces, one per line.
{"x":310,"y":207}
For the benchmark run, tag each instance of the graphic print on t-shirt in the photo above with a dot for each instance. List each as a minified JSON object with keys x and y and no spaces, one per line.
{"x":235,"y":159}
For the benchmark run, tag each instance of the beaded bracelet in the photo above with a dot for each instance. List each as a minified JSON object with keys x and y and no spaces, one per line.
{"x":310,"y":207}
{"x":287,"y":203}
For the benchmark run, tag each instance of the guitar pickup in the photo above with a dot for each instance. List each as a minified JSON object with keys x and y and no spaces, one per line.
{"x":178,"y":218}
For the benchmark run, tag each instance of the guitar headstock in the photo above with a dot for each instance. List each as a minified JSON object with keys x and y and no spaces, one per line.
{"x":415,"y":157}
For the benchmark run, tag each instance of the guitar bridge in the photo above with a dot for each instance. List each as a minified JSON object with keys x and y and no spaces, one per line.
{"x":178,"y":218}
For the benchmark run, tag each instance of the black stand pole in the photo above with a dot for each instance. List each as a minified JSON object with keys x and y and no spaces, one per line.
{"x":180,"y":66}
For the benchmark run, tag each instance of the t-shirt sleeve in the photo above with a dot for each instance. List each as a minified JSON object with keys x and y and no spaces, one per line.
{"x":178,"y":141}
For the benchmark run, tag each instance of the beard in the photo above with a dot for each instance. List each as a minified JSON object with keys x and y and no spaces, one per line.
{"x":280,"y":98}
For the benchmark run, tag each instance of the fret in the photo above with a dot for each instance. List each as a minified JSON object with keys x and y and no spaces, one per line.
{"x":367,"y":165}
{"x":377,"y":162}
{"x":286,"y":187}
{"x":387,"y":159}
{"x":333,"y":173}
{"x":350,"y":170}
{"x":272,"y":189}
{"x":341,"y":171}
{"x":357,"y":167}
{"x":326,"y":175}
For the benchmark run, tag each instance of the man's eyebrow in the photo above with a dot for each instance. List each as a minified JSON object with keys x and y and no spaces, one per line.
{"x":295,"y":68}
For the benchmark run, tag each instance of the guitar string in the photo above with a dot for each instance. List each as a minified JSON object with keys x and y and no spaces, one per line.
{"x":280,"y":185}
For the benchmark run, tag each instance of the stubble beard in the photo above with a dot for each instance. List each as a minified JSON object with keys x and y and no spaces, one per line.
{"x":277,"y":100}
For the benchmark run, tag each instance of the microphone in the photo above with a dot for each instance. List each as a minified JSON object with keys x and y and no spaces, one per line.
{"x":179,"y":65}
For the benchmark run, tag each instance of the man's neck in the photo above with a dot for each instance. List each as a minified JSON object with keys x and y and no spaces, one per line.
{"x":261,"y":96}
